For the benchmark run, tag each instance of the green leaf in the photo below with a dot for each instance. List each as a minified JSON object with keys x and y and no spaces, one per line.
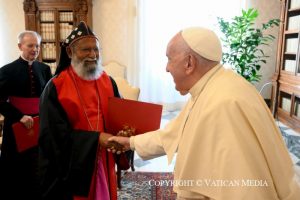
{"x":243,"y":42}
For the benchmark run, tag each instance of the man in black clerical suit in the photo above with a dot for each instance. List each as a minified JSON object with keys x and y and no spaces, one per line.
{"x":21,"y":84}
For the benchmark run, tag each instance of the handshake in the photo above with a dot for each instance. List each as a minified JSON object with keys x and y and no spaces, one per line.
{"x":119,"y":143}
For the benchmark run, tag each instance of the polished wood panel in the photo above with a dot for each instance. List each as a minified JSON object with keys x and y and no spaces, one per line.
{"x":286,"y":83}
{"x":81,"y":11}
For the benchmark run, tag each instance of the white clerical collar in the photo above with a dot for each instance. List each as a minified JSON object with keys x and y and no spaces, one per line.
{"x":29,"y":62}
{"x":201,"y":83}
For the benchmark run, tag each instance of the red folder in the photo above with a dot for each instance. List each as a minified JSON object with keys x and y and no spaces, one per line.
{"x":26,"y":138}
{"x":142,"y":116}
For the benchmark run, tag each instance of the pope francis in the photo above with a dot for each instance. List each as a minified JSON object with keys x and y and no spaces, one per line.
{"x":228,"y":145}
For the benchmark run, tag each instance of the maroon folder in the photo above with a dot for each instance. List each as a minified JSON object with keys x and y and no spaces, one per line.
{"x":142,"y":116}
{"x":26,"y":138}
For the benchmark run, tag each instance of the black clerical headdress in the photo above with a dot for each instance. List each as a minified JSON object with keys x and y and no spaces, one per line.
{"x":80,"y":32}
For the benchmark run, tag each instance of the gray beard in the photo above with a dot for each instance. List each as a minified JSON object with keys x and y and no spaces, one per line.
{"x":87,"y":72}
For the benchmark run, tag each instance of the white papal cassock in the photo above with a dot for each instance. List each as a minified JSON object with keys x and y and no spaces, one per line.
{"x":227,"y":144}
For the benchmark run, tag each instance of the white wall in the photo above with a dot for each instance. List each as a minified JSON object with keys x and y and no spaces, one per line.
{"x":12,"y":22}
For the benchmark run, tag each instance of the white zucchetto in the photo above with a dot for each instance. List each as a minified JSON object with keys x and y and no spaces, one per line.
{"x":204,"y":42}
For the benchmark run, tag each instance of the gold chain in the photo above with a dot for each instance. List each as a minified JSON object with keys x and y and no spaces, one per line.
{"x":83,"y":105}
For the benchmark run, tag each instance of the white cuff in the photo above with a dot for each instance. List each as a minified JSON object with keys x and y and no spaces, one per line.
{"x":131,"y":142}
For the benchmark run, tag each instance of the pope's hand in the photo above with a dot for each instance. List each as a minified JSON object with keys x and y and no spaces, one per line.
{"x":110,"y":145}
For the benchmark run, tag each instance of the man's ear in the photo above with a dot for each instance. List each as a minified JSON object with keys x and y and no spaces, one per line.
{"x":20,"y":46}
{"x":69,"y":52}
{"x":191,"y":64}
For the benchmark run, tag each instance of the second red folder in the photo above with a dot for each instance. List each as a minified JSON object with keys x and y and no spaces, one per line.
{"x":26,"y":138}
{"x":142,"y":116}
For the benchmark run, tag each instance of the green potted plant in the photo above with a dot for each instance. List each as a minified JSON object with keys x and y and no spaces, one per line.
{"x":243,"y":43}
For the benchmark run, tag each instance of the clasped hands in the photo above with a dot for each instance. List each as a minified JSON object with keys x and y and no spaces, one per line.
{"x":119,"y":143}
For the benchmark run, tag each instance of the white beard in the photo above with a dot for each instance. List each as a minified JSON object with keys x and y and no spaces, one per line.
{"x":87,"y":71}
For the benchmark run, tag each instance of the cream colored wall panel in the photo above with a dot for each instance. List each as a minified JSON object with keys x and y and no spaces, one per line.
{"x":114,"y":23}
{"x":12,"y":23}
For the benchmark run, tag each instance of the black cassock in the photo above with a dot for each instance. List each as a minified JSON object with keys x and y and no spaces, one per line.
{"x":18,"y":79}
